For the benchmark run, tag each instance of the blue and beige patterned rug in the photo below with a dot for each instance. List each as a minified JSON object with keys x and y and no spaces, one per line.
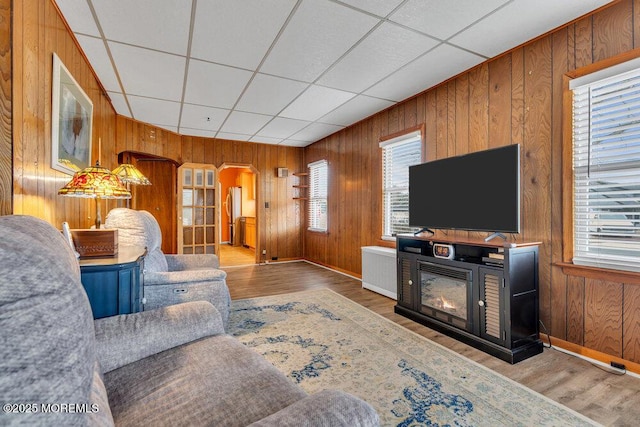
{"x":321,"y":340}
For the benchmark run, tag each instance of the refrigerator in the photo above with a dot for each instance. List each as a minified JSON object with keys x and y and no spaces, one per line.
{"x":233,"y":206}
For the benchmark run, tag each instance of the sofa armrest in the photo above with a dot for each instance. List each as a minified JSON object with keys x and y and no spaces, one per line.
{"x":326,"y":408}
{"x":177,"y":277}
{"x":189,"y":262}
{"x":123,"y":339}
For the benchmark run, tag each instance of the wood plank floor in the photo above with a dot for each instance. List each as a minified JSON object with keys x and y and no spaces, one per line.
{"x":236,"y":255}
{"x":605,"y":397}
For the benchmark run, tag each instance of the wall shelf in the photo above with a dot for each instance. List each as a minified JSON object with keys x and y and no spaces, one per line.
{"x":301,"y":187}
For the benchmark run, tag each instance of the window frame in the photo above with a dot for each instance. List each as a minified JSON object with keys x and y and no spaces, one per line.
{"x":397,"y":137}
{"x":568,"y":223}
{"x":311,"y":199}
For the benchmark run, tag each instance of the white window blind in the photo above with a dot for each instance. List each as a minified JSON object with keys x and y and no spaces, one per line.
{"x":397,"y":155}
{"x":318,"y":191}
{"x":606,"y":167}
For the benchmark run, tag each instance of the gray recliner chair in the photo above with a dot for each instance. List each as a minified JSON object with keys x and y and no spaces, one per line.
{"x":170,"y":279}
{"x":169,"y":366}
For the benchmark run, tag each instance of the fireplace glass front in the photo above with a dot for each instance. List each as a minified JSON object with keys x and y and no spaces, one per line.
{"x":445,"y":293}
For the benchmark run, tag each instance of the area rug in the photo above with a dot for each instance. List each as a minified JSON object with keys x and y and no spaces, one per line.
{"x":322,"y":340}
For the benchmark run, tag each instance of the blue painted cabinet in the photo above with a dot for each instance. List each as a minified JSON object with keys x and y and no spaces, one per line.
{"x":114,"y":285}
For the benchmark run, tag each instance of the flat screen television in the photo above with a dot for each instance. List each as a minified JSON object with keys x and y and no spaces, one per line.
{"x":477,"y":191}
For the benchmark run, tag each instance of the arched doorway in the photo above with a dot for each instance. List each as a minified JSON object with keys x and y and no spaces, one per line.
{"x":238,"y":231}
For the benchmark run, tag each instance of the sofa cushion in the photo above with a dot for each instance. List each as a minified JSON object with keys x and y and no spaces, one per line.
{"x":212,"y":381}
{"x":48,"y":351}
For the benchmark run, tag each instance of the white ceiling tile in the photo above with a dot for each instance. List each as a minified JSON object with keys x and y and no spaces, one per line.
{"x":79,"y":17}
{"x":295,"y":143}
{"x":521,"y":21}
{"x":269,"y":95}
{"x":317,"y":35}
{"x":99,"y":59}
{"x":265,"y":140}
{"x":436,"y":66}
{"x":315,"y":102}
{"x":199,"y":117}
{"x":233,"y":136}
{"x":154,"y":110}
{"x":237,"y":33}
{"x":197,"y":132}
{"x":244,"y":123}
{"x":155,"y":24}
{"x":443,"y":19}
{"x":214,"y":85}
{"x":355,"y":110}
{"x":149,"y":73}
{"x":315,"y":132}
{"x":377,"y":7}
{"x":282,"y":128}
{"x":119,"y":103}
{"x":320,"y":40}
{"x":386,"y":49}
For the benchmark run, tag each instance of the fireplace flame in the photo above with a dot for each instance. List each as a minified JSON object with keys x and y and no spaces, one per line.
{"x":446,"y":304}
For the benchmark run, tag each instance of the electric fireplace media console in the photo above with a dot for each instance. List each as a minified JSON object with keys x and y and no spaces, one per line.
{"x":482,"y":293}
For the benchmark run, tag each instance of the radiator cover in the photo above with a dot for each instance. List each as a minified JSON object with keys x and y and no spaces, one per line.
{"x":379,"y":270}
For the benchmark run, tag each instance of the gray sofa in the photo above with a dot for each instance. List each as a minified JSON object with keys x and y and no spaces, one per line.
{"x":169,"y":366}
{"x":169,"y":278}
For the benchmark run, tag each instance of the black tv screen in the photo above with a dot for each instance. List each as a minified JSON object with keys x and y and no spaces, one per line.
{"x":478,"y":191}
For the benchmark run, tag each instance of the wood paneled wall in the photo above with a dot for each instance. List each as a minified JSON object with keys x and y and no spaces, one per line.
{"x":38,"y":32}
{"x":515,"y":98}
{"x":6,"y":161}
{"x":279,"y":225}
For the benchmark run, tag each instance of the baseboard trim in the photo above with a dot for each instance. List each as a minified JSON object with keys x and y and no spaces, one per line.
{"x":334,"y":269}
{"x":592,"y":356}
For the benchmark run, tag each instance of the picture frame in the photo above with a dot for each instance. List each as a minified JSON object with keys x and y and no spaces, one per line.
{"x":71,"y":122}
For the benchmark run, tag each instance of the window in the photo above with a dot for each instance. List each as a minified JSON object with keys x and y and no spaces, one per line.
{"x":397,"y":155}
{"x":606,"y":167}
{"x":318,"y":189}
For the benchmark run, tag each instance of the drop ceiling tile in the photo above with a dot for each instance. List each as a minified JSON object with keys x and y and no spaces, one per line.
{"x":386,"y":49}
{"x":214,"y":85}
{"x":244,"y":123}
{"x":99,"y":59}
{"x":237,"y":33}
{"x":156,"y":24}
{"x":233,"y":136}
{"x":149,"y":73}
{"x":294,"y":143}
{"x":443,"y":19}
{"x":315,"y":102}
{"x":199,"y":117}
{"x":355,"y":110}
{"x":197,"y":132}
{"x":154,"y":110}
{"x":265,"y":140}
{"x":519,"y":22}
{"x":119,"y":103}
{"x":269,"y":95}
{"x":79,"y":17}
{"x":315,"y":132}
{"x":281,"y":128}
{"x":378,"y":7}
{"x":436,"y":66}
{"x":318,"y":34}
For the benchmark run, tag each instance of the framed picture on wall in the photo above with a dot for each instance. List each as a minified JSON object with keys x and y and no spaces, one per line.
{"x":71,"y":121}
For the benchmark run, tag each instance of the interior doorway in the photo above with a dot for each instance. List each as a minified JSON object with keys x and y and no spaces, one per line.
{"x":238,"y":234}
